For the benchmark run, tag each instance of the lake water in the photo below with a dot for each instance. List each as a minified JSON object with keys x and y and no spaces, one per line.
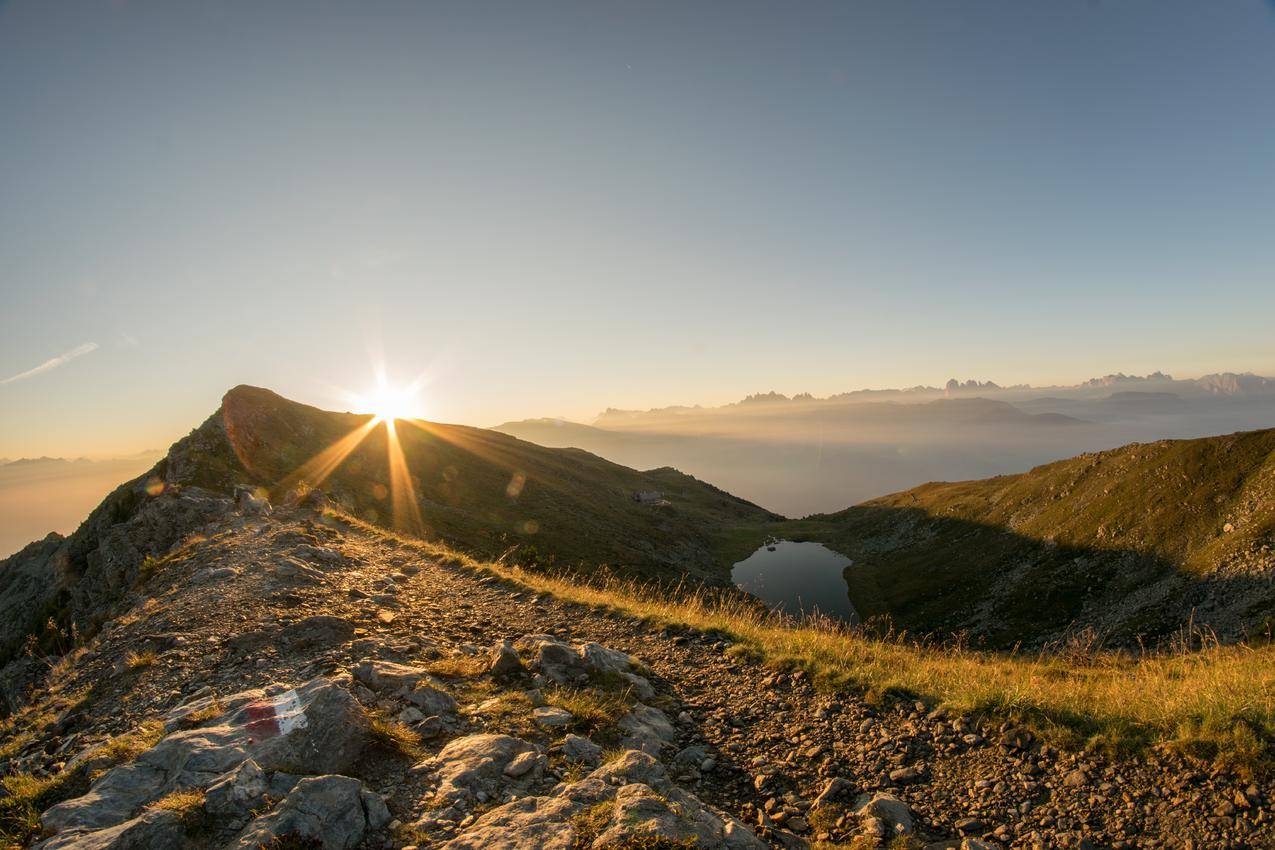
{"x":797,"y":578}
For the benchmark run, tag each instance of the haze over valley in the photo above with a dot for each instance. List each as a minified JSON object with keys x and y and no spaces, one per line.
{"x":801,"y":455}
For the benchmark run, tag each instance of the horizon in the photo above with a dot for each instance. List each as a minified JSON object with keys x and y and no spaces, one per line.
{"x":552,"y":211}
{"x":335,"y":405}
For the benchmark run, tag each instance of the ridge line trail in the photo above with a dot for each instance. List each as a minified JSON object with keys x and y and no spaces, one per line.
{"x":219,"y":609}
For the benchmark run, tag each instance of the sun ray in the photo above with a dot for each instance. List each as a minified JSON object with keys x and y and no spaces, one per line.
{"x":316,"y":470}
{"x":406,"y":511}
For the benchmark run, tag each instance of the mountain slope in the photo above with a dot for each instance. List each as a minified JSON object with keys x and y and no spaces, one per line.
{"x":1135,"y":540}
{"x":485,"y":493}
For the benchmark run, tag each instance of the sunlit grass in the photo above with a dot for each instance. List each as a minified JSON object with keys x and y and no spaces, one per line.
{"x":1215,"y":703}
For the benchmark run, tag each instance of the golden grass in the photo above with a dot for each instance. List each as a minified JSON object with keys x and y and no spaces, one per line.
{"x":140,"y":660}
{"x":457,"y":666}
{"x":1215,"y":703}
{"x":188,"y":805}
{"x":393,"y":736}
{"x":590,"y":709}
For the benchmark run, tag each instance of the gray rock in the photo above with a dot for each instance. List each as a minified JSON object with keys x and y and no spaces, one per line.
{"x":647,"y":729}
{"x":411,"y":683}
{"x":551,"y":716}
{"x":318,"y":727}
{"x":237,"y":792}
{"x":473,"y":765}
{"x":327,"y":808}
{"x":890,"y":810}
{"x":582,"y":750}
{"x":505,"y":661}
{"x":152,"y":830}
{"x":640,"y":805}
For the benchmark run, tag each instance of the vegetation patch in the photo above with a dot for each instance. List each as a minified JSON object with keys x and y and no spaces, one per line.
{"x":393,"y":736}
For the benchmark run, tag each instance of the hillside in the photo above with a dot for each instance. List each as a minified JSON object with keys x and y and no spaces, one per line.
{"x":485,"y":493}
{"x":1134,"y":541}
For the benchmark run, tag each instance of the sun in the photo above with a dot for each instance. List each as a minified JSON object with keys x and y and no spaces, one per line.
{"x":388,"y":403}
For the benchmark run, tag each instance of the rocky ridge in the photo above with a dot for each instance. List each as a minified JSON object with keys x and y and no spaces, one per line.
{"x":289,"y":677}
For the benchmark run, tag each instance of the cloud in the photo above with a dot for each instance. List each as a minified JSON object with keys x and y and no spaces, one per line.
{"x":52,"y":363}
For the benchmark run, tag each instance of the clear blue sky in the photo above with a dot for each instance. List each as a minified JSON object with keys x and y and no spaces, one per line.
{"x":555,"y":208}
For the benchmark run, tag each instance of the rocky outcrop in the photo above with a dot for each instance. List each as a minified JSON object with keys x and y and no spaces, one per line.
{"x":629,"y":802}
{"x":315,"y":728}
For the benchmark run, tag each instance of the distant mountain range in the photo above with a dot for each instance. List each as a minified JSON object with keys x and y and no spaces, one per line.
{"x":1223,"y":383}
{"x":800,"y":455}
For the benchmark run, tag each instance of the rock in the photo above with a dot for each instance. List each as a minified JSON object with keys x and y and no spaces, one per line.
{"x":647,"y":729}
{"x":977,"y":844}
{"x":905,"y":775}
{"x":151,"y":830}
{"x":236,"y":792}
{"x":632,"y":803}
{"x":837,"y":788}
{"x":473,"y":765}
{"x":1016,"y":738}
{"x":318,"y":726}
{"x":327,"y":808}
{"x":521,"y":764}
{"x":378,"y":814}
{"x":1076,"y":778}
{"x":582,"y":750}
{"x":505,"y":661}
{"x":318,"y":631}
{"x":411,"y":683}
{"x":551,"y":716}
{"x":890,"y":810}
{"x":965,"y":826}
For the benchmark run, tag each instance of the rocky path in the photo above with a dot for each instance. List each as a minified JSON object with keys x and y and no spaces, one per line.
{"x":521,"y":738}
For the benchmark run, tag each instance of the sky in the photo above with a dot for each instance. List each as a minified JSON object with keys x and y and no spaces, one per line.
{"x":554,"y":208}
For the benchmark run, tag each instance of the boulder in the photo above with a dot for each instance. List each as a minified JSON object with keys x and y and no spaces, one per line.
{"x":473,"y":765}
{"x":237,"y":792}
{"x":317,"y":727}
{"x":411,"y":683}
{"x":505,"y":661}
{"x":640,"y":806}
{"x":647,"y":729}
{"x":330,"y":809}
{"x":581,"y":750}
{"x":152,"y":830}
{"x":890,"y":810}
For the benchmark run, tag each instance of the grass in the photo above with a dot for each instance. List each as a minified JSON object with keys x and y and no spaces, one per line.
{"x":188,"y":805}
{"x":591,"y":710}
{"x":140,"y":660}
{"x":458,"y":666}
{"x":27,"y":796}
{"x":1215,"y":703}
{"x":393,"y":736}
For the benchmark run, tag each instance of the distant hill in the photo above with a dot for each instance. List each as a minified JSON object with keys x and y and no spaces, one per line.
{"x":1136,"y":540}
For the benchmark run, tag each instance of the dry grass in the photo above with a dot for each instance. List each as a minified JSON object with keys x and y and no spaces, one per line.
{"x":189,"y":807}
{"x":590,"y":709}
{"x":200,"y":716}
{"x":458,"y":666}
{"x":394,"y":736}
{"x":140,"y":660}
{"x":1215,"y":703}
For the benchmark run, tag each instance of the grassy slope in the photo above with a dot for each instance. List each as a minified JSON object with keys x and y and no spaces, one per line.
{"x":486,"y":492}
{"x":1068,"y":534}
{"x":1215,"y":703}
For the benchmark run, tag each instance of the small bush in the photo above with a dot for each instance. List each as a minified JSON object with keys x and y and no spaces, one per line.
{"x":189,"y":808}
